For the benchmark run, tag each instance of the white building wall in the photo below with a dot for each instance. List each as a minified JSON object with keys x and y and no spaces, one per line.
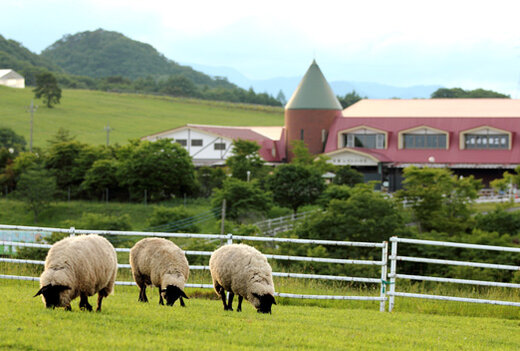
{"x":201,"y":145}
{"x":12,"y":79}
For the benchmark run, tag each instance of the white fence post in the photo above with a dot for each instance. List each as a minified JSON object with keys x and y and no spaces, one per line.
{"x":230,"y":239}
{"x":384,"y":269}
{"x":393,"y":271}
{"x":72,"y":231}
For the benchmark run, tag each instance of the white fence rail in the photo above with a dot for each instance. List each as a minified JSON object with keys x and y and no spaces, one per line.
{"x":392,"y":293}
{"x":383,"y":246}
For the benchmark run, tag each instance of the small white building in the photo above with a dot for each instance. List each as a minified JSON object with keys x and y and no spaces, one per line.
{"x":10,"y":78}
{"x":212,"y":145}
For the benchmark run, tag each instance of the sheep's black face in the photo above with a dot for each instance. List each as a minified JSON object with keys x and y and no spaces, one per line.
{"x":51,"y":294}
{"x":172,"y":294}
{"x":266,"y":301}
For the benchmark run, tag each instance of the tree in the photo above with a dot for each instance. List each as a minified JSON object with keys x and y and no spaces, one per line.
{"x":439,"y":200}
{"x":13,"y":169}
{"x":303,"y":157}
{"x":245,"y":158}
{"x":179,"y":85}
{"x":69,"y":161}
{"x":209,"y":178}
{"x":48,"y":89}
{"x":102,"y":175}
{"x":162,"y":168}
{"x":365,"y":215}
{"x":294,"y":185}
{"x":243,"y":199}
{"x":36,"y":188}
{"x":346,"y":175}
{"x":281,"y":97}
{"x":350,"y":99}
{"x":458,"y":93}
{"x":11,"y":141}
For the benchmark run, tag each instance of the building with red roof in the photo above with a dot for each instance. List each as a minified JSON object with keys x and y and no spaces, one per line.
{"x":479,"y":137}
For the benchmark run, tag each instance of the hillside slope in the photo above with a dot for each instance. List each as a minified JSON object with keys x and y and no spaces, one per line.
{"x":86,"y":113}
{"x":104,"y":53}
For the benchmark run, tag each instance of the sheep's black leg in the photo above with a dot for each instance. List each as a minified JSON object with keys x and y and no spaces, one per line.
{"x":182,"y":302}
{"x":142,"y":293}
{"x":239,"y":308}
{"x":161,"y":301}
{"x":83,"y":302}
{"x":222,"y":293}
{"x":101,"y":294}
{"x":230,"y":301}
{"x":68,"y":308}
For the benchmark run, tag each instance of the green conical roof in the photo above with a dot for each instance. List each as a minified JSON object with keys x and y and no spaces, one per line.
{"x":313,"y":93}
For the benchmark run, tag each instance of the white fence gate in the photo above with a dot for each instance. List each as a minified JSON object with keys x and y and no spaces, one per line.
{"x":383,"y":246}
{"x":392,"y":293}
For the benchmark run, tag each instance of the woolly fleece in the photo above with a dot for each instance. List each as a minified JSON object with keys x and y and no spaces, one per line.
{"x":85,"y":263}
{"x":159,"y":262}
{"x":243,"y":270}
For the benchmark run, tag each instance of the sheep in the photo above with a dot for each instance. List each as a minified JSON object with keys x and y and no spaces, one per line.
{"x":75,"y":266}
{"x":242,"y":270}
{"x":161,"y":263}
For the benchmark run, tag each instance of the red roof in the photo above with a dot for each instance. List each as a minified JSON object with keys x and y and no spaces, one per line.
{"x":261,"y":135}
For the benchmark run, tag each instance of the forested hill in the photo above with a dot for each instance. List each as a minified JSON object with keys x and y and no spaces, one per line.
{"x":104,"y":53}
{"x":109,"y":61}
{"x":13,"y":55}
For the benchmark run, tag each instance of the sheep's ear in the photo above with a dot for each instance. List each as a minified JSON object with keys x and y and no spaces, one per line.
{"x":183,"y":294}
{"x":42,"y":289}
{"x":274,"y":301}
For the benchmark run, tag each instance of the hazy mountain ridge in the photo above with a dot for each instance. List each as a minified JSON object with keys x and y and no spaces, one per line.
{"x":288,"y":85}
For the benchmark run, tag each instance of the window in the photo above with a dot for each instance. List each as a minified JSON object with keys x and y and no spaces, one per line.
{"x":424,"y":141}
{"x":301,"y":134}
{"x":196,"y":142}
{"x":182,"y":142}
{"x":365,"y":140}
{"x":486,"y":141}
{"x":220,"y":146}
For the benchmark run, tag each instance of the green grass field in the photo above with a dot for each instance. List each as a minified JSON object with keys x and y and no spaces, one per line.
{"x":125,"y":324}
{"x":61,"y":213}
{"x":85,"y":113}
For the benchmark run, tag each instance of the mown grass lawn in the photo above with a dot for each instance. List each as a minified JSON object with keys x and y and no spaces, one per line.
{"x":85,"y":113}
{"x":125,"y":324}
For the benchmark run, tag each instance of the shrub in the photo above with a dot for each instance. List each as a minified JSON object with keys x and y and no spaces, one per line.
{"x":168,"y":219}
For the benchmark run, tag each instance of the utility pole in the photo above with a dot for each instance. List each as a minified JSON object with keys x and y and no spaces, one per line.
{"x":108,"y":129}
{"x":223,"y":217}
{"x":31,"y":109}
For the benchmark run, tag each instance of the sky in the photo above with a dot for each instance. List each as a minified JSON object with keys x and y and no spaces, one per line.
{"x":455,"y":43}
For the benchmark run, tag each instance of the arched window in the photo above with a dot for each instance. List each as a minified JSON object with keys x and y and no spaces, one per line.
{"x":423,"y":137}
{"x":363,"y":137}
{"x":485,"y":138}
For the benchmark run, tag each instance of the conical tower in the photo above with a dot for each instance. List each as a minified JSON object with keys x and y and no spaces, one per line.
{"x":311,"y":111}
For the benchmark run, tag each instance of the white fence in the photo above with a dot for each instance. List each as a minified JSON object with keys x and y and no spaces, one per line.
{"x":392,"y":293}
{"x":229,"y":238}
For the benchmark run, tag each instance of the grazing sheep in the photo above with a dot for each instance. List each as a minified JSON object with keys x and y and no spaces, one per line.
{"x":75,"y":266}
{"x":242,"y":270}
{"x":159,"y":262}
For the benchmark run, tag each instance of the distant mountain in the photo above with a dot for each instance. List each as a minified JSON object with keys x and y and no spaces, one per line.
{"x":14,"y":56}
{"x":288,"y":85}
{"x":104,"y":53}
